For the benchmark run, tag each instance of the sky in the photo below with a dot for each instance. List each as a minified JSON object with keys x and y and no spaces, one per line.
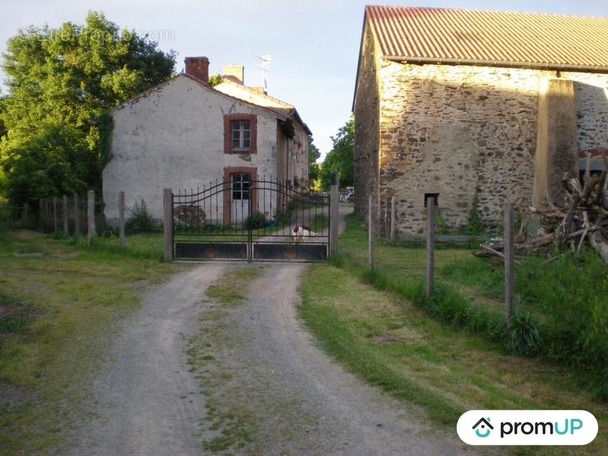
{"x":313,"y":44}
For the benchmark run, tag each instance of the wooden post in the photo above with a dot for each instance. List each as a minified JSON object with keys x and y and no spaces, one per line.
{"x":66,"y":228}
{"x":91,"y":232}
{"x":25,"y":215}
{"x":430,"y":246}
{"x":41,"y":219}
{"x":76,"y":216}
{"x":121,"y":218}
{"x":168,"y":223}
{"x":333,"y":220}
{"x":55,"y":221}
{"x":509,"y":260}
{"x":371,"y":258}
{"x":393,"y":218}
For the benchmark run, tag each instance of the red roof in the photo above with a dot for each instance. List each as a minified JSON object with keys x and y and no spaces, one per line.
{"x":453,"y":36}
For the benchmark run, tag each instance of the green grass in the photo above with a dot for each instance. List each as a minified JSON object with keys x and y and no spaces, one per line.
{"x":230,"y":420}
{"x":231,"y":290}
{"x":439,"y":354}
{"x":59,"y":299}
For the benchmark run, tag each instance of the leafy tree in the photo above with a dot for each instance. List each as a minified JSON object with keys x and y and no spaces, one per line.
{"x":61,"y":84}
{"x":215,"y":79}
{"x":341,"y":158}
{"x":313,"y":156}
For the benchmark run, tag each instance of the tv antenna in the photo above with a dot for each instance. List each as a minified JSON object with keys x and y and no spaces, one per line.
{"x":266,"y":61}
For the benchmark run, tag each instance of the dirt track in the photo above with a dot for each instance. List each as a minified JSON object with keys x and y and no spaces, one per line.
{"x":190,"y":376}
{"x":263,"y":386}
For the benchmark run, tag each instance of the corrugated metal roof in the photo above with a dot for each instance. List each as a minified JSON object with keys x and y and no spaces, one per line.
{"x":549,"y":41}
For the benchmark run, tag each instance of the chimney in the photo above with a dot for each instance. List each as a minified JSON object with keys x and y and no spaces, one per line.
{"x":198,"y":67}
{"x":235,"y":73}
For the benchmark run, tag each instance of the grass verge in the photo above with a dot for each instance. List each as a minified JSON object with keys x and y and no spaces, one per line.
{"x":59,"y":303}
{"x":367,"y":322}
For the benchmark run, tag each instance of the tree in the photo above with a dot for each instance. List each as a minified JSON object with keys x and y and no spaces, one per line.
{"x":313,"y":166}
{"x":341,"y":158}
{"x":61,"y":84}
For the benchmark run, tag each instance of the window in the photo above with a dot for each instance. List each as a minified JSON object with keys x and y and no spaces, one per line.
{"x":240,"y":133}
{"x":240,"y":186}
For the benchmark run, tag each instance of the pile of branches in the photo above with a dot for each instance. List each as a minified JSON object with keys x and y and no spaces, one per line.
{"x":582,"y":220}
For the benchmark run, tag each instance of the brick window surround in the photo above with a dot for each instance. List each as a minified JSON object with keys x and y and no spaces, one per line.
{"x":253,"y":132}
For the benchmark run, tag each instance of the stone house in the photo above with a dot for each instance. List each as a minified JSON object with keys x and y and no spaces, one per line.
{"x":477,"y":107}
{"x":185,"y":135}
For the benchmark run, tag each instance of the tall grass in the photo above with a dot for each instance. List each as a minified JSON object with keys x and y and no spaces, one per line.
{"x":562,"y":305}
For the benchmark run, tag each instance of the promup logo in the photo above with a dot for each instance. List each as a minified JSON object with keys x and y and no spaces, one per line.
{"x":527,"y":427}
{"x":483,"y":428}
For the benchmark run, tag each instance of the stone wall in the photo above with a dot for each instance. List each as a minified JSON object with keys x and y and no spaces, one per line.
{"x":467,"y":133}
{"x":367,"y":116}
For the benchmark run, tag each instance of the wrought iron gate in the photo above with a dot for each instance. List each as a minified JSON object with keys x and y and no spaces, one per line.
{"x":252,"y":220}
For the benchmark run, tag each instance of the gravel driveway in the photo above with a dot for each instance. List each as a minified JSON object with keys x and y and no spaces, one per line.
{"x":190,"y":376}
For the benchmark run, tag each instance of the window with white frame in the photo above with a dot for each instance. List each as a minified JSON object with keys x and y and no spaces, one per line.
{"x":240,"y":132}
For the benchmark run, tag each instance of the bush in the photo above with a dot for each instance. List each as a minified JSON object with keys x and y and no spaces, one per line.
{"x":255,"y":221}
{"x":523,"y":335}
{"x":141,"y":221}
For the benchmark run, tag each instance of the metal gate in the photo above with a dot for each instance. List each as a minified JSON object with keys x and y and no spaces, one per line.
{"x":251,"y":220}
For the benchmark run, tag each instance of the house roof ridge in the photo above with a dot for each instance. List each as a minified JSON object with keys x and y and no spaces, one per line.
{"x":253,"y":91}
{"x":484,"y":10}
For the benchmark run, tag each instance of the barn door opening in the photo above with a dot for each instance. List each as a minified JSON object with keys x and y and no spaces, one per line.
{"x":239,"y":198}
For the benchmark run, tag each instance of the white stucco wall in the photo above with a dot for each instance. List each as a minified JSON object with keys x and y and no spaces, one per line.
{"x":173,"y":137}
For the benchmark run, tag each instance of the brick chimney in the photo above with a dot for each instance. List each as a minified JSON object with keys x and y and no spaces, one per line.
{"x":235,"y":72}
{"x":198,"y":67}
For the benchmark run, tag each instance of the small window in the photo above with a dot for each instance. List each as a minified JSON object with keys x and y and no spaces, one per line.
{"x":240,"y":134}
{"x":240,"y":186}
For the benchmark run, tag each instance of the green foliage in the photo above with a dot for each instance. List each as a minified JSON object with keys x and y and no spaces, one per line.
{"x":255,"y":221}
{"x":562,"y":309}
{"x":523,"y":334}
{"x":15,"y":315}
{"x":313,"y":152}
{"x":141,"y":221}
{"x":61,"y":82}
{"x":475,"y":226}
{"x":47,"y":163}
{"x":341,"y":158}
{"x":215,"y":79}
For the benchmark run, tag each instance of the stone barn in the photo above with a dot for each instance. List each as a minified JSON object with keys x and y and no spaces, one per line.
{"x":478,"y":107}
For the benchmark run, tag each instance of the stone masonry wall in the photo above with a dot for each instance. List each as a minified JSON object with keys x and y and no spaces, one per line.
{"x":366,"y":110}
{"x":469,"y":134}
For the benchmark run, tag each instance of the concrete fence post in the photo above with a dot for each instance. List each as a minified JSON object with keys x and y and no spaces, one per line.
{"x":91,"y":231}
{"x":509,"y":241}
{"x":333,"y":221}
{"x":371,"y":258}
{"x":66,"y":228}
{"x":168,"y":223}
{"x":393,"y":218}
{"x":55,"y":215}
{"x":121,"y":218}
{"x":430,"y":246}
{"x":76,"y":216}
